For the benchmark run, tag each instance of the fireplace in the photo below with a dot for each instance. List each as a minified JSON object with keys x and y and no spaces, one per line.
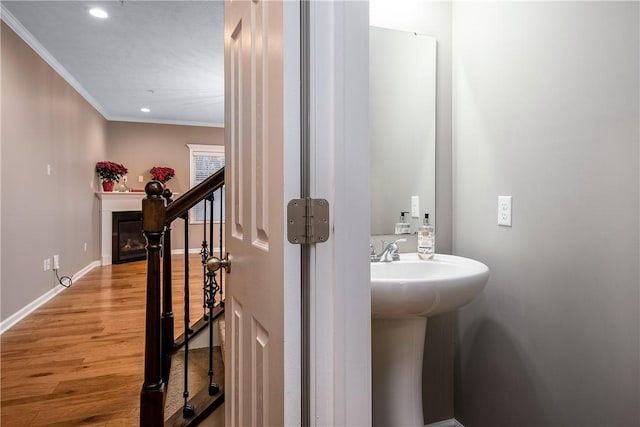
{"x":128,"y":242}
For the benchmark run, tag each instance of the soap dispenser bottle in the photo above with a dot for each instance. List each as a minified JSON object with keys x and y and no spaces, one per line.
{"x":426,"y":239}
{"x":403,"y":227}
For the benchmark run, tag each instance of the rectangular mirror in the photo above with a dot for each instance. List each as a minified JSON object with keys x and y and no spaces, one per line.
{"x":402,"y":76}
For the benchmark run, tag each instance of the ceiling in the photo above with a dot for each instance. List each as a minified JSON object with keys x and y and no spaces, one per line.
{"x":163,"y":55}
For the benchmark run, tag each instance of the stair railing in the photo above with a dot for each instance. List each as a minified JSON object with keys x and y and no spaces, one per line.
{"x":159,"y":212}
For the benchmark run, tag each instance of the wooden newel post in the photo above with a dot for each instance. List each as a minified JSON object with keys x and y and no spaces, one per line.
{"x":153,"y":224}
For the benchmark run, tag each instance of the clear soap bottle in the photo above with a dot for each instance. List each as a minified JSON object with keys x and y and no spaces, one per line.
{"x":403,"y":227}
{"x":426,"y":239}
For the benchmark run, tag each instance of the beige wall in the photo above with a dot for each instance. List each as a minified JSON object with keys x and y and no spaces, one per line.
{"x":140,"y":146}
{"x":45,"y":122}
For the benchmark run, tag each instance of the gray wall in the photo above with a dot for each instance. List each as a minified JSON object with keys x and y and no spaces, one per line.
{"x":433,"y":19}
{"x":547,"y":110}
{"x":44,"y":122}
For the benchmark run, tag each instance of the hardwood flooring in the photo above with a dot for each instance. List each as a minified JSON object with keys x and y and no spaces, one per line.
{"x":78,"y":359}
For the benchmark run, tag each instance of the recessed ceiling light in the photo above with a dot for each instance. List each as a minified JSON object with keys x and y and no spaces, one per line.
{"x":145,"y":110}
{"x":99,"y":13}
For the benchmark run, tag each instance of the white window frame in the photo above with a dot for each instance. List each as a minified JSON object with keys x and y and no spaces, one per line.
{"x":206,"y":150}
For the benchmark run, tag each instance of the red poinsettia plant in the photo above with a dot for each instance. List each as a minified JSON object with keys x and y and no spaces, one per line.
{"x":110,"y":171}
{"x":162,"y":173}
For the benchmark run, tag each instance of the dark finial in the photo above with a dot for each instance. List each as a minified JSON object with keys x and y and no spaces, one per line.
{"x":167,"y":194}
{"x":153,"y":189}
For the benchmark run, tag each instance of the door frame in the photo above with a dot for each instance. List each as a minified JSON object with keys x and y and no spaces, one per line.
{"x":340,"y":291}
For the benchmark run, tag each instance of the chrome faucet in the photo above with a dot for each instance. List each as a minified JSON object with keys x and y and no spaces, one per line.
{"x":388,"y":254}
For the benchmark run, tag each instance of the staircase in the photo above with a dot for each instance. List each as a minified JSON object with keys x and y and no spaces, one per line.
{"x":183,"y":376}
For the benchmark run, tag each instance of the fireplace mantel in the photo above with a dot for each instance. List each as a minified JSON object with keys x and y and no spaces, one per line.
{"x":114,"y":202}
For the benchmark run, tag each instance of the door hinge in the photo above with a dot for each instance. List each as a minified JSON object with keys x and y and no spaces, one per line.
{"x":307,"y":221}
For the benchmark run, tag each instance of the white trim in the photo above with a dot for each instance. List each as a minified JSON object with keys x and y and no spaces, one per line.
{"x":340,"y":285}
{"x":213,"y":150}
{"x":193,"y":251}
{"x":85,"y":270}
{"x":10,"y":321}
{"x":207,"y":148}
{"x":452,"y":422}
{"x":291,"y":126}
{"x":163,"y":122}
{"x":29,"y":39}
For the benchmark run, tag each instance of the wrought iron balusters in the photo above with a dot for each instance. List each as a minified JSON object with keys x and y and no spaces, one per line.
{"x":187,"y":410}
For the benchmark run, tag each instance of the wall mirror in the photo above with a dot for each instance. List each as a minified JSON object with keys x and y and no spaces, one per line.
{"x":402,"y":76}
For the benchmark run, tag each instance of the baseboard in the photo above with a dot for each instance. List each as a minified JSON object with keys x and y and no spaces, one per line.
{"x":85,"y":270}
{"x":10,"y":321}
{"x":181,"y":251}
{"x":445,"y":423}
{"x":192,"y":251}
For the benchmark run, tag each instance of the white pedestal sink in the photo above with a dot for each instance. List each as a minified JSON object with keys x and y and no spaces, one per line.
{"x":403,"y":294}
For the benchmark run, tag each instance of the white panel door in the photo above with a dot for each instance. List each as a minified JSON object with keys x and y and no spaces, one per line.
{"x":255,"y":96}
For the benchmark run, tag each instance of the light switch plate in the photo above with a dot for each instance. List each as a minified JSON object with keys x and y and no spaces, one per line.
{"x":415,"y":207}
{"x":504,"y":210}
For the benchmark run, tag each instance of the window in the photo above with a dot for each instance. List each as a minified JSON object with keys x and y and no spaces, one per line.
{"x":205,"y":160}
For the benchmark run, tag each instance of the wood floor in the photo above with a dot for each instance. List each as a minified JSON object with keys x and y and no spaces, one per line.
{"x":78,"y":359}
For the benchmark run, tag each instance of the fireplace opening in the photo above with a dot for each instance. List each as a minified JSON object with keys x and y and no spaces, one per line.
{"x":128,"y":242}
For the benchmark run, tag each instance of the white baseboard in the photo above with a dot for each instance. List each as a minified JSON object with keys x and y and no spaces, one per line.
{"x":181,"y":251}
{"x":10,"y":321}
{"x":85,"y":270}
{"x":192,"y":251}
{"x":445,"y":423}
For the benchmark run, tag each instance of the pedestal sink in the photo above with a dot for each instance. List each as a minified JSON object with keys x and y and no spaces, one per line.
{"x":403,"y":294}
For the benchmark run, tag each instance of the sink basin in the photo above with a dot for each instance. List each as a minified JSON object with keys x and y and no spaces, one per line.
{"x":415,"y":287}
{"x":403,"y":294}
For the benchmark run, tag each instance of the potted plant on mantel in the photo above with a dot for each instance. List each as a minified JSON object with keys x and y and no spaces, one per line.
{"x":162,"y":173}
{"x":110,"y":173}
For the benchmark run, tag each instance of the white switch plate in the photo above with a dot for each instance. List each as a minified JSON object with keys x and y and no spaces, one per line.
{"x":415,"y":207}
{"x":504,"y":210}
{"x":140,"y":178}
{"x":48,"y":169}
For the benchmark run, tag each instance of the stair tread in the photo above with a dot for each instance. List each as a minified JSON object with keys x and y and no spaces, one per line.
{"x":198,"y":384}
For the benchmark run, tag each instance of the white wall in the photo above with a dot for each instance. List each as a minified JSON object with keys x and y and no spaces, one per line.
{"x":547,"y":110}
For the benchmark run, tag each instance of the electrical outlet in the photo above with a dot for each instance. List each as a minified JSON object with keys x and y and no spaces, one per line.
{"x":504,"y":210}
{"x":415,"y":207}
{"x":140,"y":178}
{"x":85,"y":246}
{"x":46,"y":264}
{"x":56,"y":262}
{"x":48,"y":169}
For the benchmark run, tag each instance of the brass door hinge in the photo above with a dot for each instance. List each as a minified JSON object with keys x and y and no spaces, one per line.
{"x":307,"y":221}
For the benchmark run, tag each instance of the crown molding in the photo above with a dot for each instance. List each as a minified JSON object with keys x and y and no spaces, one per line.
{"x":46,"y":56}
{"x":166,"y":122}
{"x":13,"y":23}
